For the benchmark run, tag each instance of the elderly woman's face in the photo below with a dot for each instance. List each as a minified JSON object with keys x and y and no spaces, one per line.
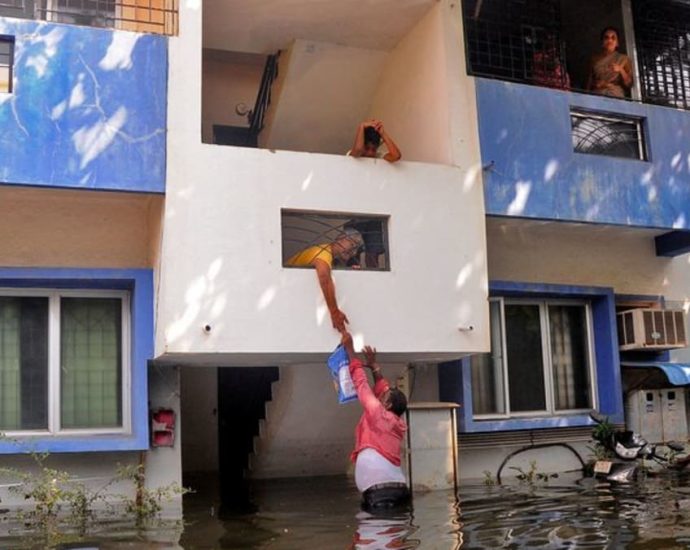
{"x":610,"y":40}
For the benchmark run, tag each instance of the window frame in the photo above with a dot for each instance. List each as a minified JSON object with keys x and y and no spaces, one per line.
{"x":9,"y":39}
{"x":57,"y":11}
{"x":547,"y":368}
{"x":639,"y":122}
{"x":383,"y":219}
{"x":54,"y":296}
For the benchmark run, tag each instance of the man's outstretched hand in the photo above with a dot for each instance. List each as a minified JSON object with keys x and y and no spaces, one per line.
{"x":339,"y":319}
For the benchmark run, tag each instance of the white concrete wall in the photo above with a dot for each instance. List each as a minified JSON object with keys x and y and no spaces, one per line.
{"x":221,"y":255}
{"x":412,"y":94}
{"x":473,"y":464}
{"x":228,"y":80}
{"x":462,"y":103}
{"x":222,"y":264}
{"x":324,"y":92}
{"x":164,"y":464}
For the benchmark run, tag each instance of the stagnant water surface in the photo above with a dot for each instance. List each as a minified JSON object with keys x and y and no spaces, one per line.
{"x":323,"y":513}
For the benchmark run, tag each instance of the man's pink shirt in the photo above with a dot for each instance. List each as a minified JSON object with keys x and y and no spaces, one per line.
{"x":378,"y":428}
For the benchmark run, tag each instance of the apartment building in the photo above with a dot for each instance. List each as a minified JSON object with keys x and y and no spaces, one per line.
{"x":82,"y":169}
{"x":162,"y":169}
{"x":587,"y":210}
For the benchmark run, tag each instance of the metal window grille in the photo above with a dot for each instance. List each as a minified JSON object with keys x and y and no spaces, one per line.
{"x":303,"y":230}
{"x":17,"y":8}
{"x":155,"y":16}
{"x":662,"y":35}
{"x":6,"y":62}
{"x":517,"y":40}
{"x":599,"y":134}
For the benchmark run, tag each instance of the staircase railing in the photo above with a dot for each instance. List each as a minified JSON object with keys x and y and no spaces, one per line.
{"x":263,"y":99}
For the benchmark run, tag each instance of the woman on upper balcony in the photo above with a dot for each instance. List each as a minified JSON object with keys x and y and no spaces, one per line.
{"x":610,"y":71}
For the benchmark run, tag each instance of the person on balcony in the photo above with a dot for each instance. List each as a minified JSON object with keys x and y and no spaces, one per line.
{"x":321,"y":257}
{"x":610,"y":71}
{"x":378,"y":435}
{"x":367,"y":143}
{"x":368,"y":139}
{"x":548,"y":68}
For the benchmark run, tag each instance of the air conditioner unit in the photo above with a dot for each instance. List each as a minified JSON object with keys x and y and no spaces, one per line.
{"x":655,"y":329}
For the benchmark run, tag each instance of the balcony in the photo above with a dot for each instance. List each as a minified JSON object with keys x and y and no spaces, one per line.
{"x":225,"y":297}
{"x":301,"y":76}
{"x":555,"y":152}
{"x":532,"y":168}
{"x":85,"y":108}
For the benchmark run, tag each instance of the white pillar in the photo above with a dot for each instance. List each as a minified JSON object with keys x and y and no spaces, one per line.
{"x":432,"y":443}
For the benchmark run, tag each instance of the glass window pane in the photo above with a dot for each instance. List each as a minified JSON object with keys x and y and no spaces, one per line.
{"x":23,"y":363}
{"x":605,"y":136}
{"x":569,"y":357}
{"x":91,"y":362}
{"x":525,"y":360}
{"x":4,"y":79}
{"x":488,"y":392}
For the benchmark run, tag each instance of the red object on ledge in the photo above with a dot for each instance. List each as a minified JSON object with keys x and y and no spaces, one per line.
{"x":163,"y":428}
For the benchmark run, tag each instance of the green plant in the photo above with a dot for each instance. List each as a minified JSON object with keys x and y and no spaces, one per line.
{"x":532,"y":476}
{"x":56,"y":500}
{"x":603,"y":431}
{"x":489,"y":480}
{"x":47,"y":491}
{"x":147,"y":503}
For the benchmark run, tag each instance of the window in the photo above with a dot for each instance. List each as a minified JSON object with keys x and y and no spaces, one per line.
{"x":16,"y":8}
{"x":95,"y":13}
{"x":63,"y":361}
{"x":363,"y":240}
{"x":546,"y":43}
{"x":610,"y":135}
{"x":662,"y":35}
{"x":156,"y":16}
{"x":6,"y":62}
{"x":541,"y":360}
{"x":515,"y":40}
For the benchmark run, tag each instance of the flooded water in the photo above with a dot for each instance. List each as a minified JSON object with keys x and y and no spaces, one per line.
{"x":323,"y":513}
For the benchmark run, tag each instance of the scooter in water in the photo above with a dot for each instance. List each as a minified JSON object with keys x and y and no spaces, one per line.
{"x":628,"y":451}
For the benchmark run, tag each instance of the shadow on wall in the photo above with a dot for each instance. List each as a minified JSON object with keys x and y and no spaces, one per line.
{"x":95,"y":98}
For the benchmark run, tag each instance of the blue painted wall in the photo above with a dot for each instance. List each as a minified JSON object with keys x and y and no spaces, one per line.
{"x":140,"y":283}
{"x":88,"y":109}
{"x":525,"y":131}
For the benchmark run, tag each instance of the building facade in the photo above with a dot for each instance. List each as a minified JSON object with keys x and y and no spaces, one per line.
{"x":157,"y":174}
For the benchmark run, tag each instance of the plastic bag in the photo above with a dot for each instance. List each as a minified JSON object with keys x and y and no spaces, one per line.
{"x":339,"y":366}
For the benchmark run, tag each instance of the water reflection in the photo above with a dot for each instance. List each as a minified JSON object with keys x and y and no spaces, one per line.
{"x":382,"y":531}
{"x":579,"y":514}
{"x":324,"y":513}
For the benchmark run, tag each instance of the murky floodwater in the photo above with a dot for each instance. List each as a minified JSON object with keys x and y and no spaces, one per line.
{"x":323,"y":513}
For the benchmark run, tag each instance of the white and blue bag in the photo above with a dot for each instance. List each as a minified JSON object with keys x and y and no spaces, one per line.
{"x":339,"y":366}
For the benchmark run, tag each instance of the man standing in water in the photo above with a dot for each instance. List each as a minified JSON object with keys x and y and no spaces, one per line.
{"x":378,"y":436}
